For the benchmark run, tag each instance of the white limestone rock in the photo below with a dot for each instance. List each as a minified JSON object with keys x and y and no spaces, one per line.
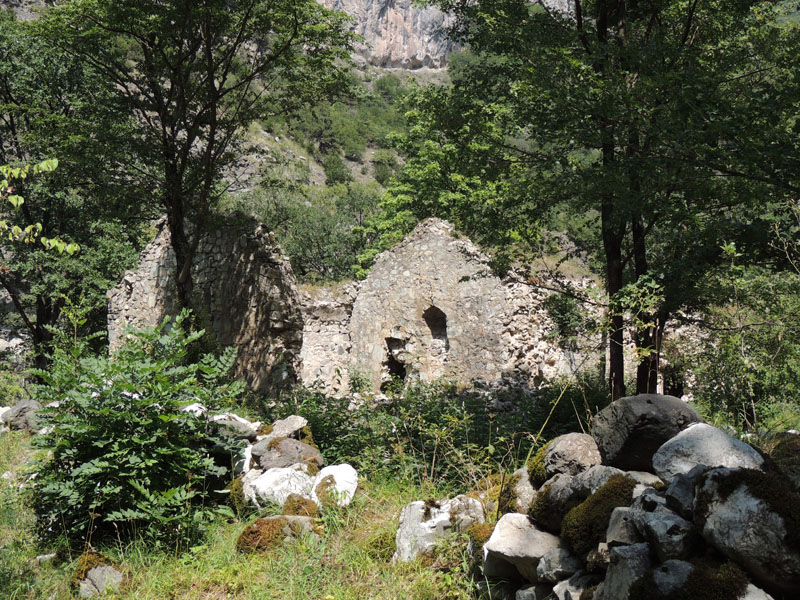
{"x":515,"y":548}
{"x":275,"y":485}
{"x":340,"y":481}
{"x":422,"y":524}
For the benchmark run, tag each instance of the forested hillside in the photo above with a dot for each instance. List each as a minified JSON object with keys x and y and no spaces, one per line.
{"x":438,"y":299}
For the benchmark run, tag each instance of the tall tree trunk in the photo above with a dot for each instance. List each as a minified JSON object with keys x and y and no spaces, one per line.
{"x":181,"y":245}
{"x":612,"y":243}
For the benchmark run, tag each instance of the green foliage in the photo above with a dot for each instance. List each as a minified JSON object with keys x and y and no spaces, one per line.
{"x":335,"y":170}
{"x":548,"y":113}
{"x":321,"y":230}
{"x":123,"y":459}
{"x":752,"y":378}
{"x":569,"y":318}
{"x":384,"y":163}
{"x":437,"y":432}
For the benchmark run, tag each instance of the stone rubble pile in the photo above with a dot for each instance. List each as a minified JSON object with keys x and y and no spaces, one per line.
{"x":655,"y":504}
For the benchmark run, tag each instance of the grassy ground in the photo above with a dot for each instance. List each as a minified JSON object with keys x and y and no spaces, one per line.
{"x":350,"y":561}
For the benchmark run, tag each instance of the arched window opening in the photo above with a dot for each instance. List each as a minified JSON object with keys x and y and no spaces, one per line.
{"x":436,"y":321}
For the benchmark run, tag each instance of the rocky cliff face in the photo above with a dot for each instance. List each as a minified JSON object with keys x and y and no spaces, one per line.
{"x":25,"y":10}
{"x":397,"y":33}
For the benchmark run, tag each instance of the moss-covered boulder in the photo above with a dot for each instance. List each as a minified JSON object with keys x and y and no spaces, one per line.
{"x":268,"y":532}
{"x":585,"y":525}
{"x":96,"y":574}
{"x":299,"y":506}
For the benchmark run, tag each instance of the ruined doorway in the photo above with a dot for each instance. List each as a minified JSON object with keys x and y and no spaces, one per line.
{"x":393,"y":368}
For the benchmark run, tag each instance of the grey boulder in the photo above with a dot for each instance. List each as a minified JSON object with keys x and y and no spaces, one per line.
{"x":703,"y":444}
{"x":630,"y":430}
{"x":622,"y":527}
{"x":100,"y":579}
{"x":571,"y":454}
{"x":628,"y":565}
{"x":556,"y":565}
{"x":283,"y":452}
{"x":535,"y":591}
{"x":573,"y":588}
{"x":749,"y":529}
{"x":515,"y":548}
{"x":670,"y":536}
{"x":671,"y":575}
{"x":22,"y":416}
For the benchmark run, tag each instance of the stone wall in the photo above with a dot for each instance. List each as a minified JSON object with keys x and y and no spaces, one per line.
{"x":244,"y":290}
{"x":430,"y":308}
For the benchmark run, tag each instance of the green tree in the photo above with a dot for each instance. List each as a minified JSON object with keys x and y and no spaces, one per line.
{"x":193,"y":75}
{"x":653,"y":116}
{"x":53,"y":106}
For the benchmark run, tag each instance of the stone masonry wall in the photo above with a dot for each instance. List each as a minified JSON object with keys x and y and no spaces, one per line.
{"x":244,"y":289}
{"x":431,"y":307}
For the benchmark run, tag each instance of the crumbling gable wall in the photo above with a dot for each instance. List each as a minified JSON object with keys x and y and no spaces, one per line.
{"x":432,"y":308}
{"x":245,"y":292}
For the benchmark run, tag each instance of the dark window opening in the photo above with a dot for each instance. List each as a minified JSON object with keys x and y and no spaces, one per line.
{"x":395,"y":369}
{"x":436,"y":321}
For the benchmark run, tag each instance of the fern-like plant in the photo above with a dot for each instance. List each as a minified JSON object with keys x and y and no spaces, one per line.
{"x":123,"y":458}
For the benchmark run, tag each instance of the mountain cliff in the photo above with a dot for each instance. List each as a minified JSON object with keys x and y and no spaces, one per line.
{"x":397,"y":33}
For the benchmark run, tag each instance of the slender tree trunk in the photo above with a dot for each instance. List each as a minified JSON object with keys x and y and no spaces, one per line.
{"x":612,"y":243}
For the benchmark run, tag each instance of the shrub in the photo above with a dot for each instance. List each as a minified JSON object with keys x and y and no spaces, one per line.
{"x":123,"y":458}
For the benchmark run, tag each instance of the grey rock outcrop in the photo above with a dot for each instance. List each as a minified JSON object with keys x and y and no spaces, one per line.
{"x":702,"y":444}
{"x":515,"y":548}
{"x":422,"y":524}
{"x":397,"y":33}
{"x":630,"y":430}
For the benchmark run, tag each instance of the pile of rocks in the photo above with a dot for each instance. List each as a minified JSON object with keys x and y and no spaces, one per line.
{"x":655,"y":504}
{"x":281,"y":463}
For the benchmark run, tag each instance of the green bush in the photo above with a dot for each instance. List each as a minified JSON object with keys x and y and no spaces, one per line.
{"x":123,"y":459}
{"x":438,"y":433}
